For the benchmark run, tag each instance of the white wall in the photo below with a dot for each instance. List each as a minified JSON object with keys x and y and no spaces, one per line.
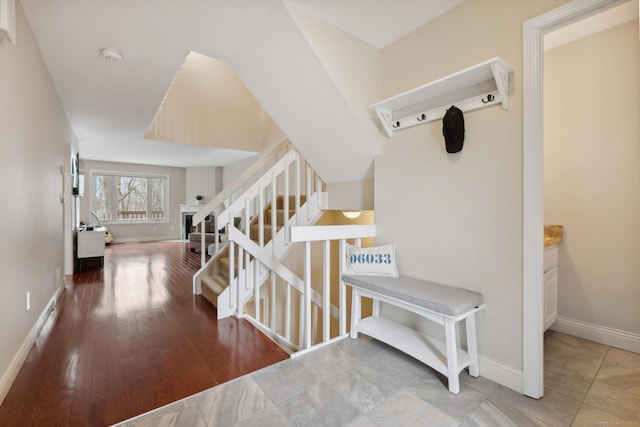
{"x":592,"y":175}
{"x":35,"y":143}
{"x":234,"y":170}
{"x":355,"y":68}
{"x":351,"y":195}
{"x":155,"y":231}
{"x":457,"y":219}
{"x":353,"y":65}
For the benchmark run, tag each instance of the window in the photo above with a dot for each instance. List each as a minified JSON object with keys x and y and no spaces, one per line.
{"x":130,"y":198}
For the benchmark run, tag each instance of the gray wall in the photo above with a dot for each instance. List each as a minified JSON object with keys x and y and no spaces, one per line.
{"x":457,"y":219}
{"x":35,"y":142}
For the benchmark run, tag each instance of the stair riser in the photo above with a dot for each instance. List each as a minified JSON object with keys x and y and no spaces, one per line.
{"x":255,"y":232}
{"x":292,"y":202}
{"x":279,"y":216}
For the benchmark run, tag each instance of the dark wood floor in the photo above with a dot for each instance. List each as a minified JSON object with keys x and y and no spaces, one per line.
{"x":128,"y":338}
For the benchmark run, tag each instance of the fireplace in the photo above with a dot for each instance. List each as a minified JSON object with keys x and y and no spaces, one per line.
{"x":188,"y":226}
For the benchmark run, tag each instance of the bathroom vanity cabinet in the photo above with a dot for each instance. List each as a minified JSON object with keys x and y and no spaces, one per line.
{"x":550,"y":285}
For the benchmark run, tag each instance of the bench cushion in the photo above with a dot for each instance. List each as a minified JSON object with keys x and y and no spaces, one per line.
{"x":433,"y":296}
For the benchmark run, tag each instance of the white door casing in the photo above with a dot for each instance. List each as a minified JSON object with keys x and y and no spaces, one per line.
{"x":533,"y":213}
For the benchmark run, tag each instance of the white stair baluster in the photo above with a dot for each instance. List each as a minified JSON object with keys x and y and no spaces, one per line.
{"x":326,"y":291}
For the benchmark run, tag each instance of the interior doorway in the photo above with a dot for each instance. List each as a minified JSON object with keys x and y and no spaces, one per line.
{"x":533,"y":215}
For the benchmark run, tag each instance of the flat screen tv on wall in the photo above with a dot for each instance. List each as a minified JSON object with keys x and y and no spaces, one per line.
{"x":77,"y":178}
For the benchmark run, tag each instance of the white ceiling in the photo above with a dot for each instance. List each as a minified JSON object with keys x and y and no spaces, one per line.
{"x":378,"y":22}
{"x":111,"y":105}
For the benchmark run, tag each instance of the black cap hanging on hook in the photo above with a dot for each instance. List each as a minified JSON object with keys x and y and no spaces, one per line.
{"x":453,"y":129}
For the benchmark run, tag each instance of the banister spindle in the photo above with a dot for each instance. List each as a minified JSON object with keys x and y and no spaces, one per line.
{"x":307,"y":294}
{"x":326,"y":291}
{"x":272,"y":301}
{"x":261,"y":216}
{"x":287,"y":315}
{"x":256,"y":288}
{"x":274,"y":214}
{"x":342,"y":288}
{"x":298,"y":184}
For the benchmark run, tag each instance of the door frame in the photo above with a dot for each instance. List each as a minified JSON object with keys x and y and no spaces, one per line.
{"x":533,"y":210}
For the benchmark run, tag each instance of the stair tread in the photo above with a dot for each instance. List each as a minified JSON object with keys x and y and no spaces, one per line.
{"x":269,"y":226}
{"x":214,"y":283}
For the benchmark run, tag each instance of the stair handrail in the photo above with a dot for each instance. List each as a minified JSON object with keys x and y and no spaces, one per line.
{"x":237,"y":205}
{"x":327,"y":233}
{"x":280,"y":170}
{"x":264,"y":257}
{"x":241,"y":180}
{"x":221,"y":198}
{"x":310,"y":298}
{"x":282,"y":184}
{"x":238,"y":237}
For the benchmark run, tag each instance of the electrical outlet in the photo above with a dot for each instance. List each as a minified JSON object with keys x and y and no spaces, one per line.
{"x":28,"y":300}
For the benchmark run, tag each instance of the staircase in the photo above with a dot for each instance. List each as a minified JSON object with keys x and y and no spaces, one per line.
{"x":286,"y":192}
{"x":267,"y":215}
{"x":215,"y":278}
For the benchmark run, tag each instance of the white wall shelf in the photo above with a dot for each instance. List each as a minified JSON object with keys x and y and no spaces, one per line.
{"x":397,"y":112}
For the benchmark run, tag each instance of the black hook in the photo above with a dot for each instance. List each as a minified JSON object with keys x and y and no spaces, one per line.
{"x":396,"y":125}
{"x":490,"y":98}
{"x":422,"y":117}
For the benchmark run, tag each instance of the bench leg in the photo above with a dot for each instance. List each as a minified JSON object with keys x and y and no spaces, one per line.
{"x":472,"y":346}
{"x":376,"y":308}
{"x":452,"y":355}
{"x":355,"y":313}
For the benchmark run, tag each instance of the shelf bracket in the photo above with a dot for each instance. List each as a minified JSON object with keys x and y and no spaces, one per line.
{"x":386,"y":119}
{"x":501,"y":76}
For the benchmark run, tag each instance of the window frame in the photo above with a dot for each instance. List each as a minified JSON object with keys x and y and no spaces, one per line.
{"x":146,"y":175}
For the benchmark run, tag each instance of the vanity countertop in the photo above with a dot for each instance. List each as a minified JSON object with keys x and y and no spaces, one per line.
{"x":552,"y":235}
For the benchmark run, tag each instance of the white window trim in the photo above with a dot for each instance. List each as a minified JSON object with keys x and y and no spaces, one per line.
{"x":167,"y":207}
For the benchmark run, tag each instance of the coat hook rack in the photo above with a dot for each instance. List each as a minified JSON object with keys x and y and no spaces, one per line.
{"x":490,"y":98}
{"x":422,"y":99}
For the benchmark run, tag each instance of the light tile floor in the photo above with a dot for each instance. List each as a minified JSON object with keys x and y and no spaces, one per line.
{"x":366,"y":383}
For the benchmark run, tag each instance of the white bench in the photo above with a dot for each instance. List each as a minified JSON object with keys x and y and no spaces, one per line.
{"x":445,"y":305}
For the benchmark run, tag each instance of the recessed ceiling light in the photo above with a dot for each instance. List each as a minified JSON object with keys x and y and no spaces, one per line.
{"x":110,"y":55}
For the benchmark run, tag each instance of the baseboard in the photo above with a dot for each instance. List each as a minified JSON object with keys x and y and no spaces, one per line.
{"x":513,"y":378}
{"x":498,"y":373}
{"x":14,"y":367}
{"x":601,"y":334}
{"x":145,"y":239}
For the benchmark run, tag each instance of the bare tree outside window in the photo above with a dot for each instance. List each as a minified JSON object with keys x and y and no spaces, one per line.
{"x":102,"y":206}
{"x":130,"y":198}
{"x":157,"y":198}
